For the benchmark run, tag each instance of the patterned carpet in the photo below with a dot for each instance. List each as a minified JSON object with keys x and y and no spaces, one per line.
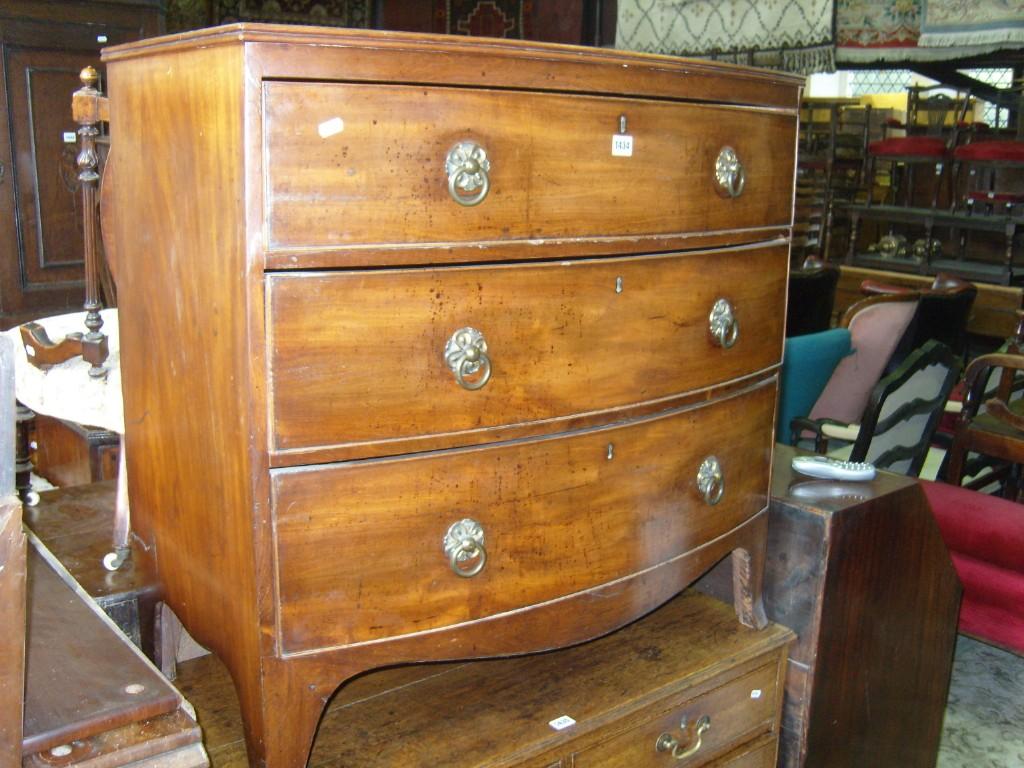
{"x":984,"y":726}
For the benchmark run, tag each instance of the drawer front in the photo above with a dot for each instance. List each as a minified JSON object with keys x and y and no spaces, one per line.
{"x":360,"y":545}
{"x":350,"y":164}
{"x":761,"y":753}
{"x":735,"y":713}
{"x":359,"y":357}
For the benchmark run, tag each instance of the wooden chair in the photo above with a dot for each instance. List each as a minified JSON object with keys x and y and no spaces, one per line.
{"x":984,"y":160}
{"x":927,"y":142}
{"x":943,"y":312}
{"x":991,"y":421}
{"x":876,"y":327}
{"x":902,"y":413}
{"x":830,"y":169}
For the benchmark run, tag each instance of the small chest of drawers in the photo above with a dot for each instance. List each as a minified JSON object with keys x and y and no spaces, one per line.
{"x":439,"y":349}
{"x":687,"y":678}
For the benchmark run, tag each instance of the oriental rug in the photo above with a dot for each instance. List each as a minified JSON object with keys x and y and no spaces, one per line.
{"x":972,"y":22}
{"x":483,"y":18}
{"x":795,"y":35}
{"x":335,"y":13}
{"x":891,"y":31}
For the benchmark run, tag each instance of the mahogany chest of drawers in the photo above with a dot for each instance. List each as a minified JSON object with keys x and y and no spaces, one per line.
{"x":438,"y":348}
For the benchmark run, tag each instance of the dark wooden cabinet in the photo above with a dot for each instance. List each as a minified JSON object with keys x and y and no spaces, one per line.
{"x":860,"y":572}
{"x":43,"y":46}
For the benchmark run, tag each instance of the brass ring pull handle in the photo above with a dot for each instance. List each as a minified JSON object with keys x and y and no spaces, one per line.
{"x":467,"y":167}
{"x":711,"y":481}
{"x":463,"y":543}
{"x":465,"y":353}
{"x":723,"y":325}
{"x":669,"y":743}
{"x":729,"y":173}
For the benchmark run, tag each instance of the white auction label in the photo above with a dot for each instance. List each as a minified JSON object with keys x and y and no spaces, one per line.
{"x":561,"y":723}
{"x":622,"y":145}
{"x":756,"y":693}
{"x":70,"y":137}
{"x":329,"y":128}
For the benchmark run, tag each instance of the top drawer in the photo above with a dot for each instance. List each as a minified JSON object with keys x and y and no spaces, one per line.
{"x":349,"y":165}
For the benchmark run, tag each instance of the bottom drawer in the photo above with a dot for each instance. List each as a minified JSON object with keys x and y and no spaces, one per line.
{"x":695,"y":731}
{"x":758,"y":754}
{"x":364,"y":551}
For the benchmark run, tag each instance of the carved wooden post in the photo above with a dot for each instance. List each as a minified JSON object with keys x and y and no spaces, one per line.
{"x":86,"y":110}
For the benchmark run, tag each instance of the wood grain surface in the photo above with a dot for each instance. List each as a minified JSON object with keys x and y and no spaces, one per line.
{"x":183,"y":297}
{"x":860,"y":572}
{"x":82,"y":677}
{"x":195,"y":213}
{"x":382,"y":178}
{"x":689,"y":653}
{"x":322,"y":53}
{"x":559,"y":517}
{"x":12,"y":639}
{"x":358,"y":357}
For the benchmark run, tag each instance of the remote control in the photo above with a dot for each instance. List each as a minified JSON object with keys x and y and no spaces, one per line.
{"x":833,"y":469}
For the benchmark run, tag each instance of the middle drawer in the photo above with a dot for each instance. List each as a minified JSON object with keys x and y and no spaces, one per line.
{"x":362,"y":551}
{"x":362,"y":357}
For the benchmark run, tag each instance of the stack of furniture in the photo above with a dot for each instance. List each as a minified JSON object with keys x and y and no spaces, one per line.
{"x":418,"y":391}
{"x":981,"y":230}
{"x":834,"y":135}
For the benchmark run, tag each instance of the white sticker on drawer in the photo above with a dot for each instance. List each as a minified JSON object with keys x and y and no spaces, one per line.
{"x":756,"y":693}
{"x":622,"y":145}
{"x":329,"y":128}
{"x":561,"y":723}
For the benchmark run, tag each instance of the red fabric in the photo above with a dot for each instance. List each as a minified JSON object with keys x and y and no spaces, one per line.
{"x":909,"y":146}
{"x":985,"y":536}
{"x":993,"y":602}
{"x":1012,"y":151}
{"x":996,"y":197}
{"x":875,"y":288}
{"x":975,"y":524}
